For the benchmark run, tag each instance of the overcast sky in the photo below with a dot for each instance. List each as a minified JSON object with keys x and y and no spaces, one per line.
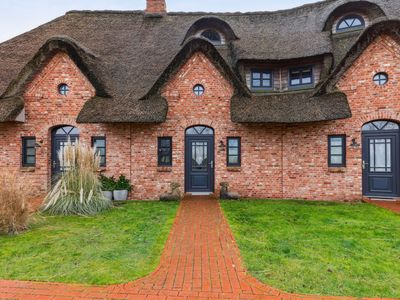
{"x":18,"y":16}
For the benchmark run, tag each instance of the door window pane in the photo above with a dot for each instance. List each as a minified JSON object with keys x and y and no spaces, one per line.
{"x":199,"y":156}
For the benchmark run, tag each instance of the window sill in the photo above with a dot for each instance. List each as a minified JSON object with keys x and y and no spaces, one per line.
{"x":164,"y":169}
{"x":337,"y":169}
{"x":234,"y":169}
{"x":27,"y":169}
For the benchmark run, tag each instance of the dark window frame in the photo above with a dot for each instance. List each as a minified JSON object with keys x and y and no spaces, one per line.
{"x":239,"y":155}
{"x":354,"y":28}
{"x":64,"y":89}
{"x":94,"y":138}
{"x":343,"y":146}
{"x":159,"y":162}
{"x":261,"y":87}
{"x":378,"y":80}
{"x":24,"y":154}
{"x":301,"y":84}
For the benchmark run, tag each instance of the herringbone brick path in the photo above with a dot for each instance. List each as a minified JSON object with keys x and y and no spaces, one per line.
{"x":200,"y":261}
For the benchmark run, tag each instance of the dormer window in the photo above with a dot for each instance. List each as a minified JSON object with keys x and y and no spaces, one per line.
{"x":349,"y":23}
{"x":301,"y":77}
{"x":213,"y":36}
{"x":261,"y":79}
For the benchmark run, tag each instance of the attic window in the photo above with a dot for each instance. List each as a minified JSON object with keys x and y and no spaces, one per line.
{"x":381,"y":78}
{"x":63,"y":89}
{"x":348,"y":23}
{"x":213,"y":36}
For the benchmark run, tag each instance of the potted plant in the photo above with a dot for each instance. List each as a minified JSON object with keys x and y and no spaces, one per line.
{"x":107,"y":186}
{"x":122,"y":188}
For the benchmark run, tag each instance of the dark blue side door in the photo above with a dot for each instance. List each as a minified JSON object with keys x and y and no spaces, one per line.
{"x":199,"y":164}
{"x":381,"y":164}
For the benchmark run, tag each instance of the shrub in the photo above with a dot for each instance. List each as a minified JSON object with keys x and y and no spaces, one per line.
{"x":14,"y":210}
{"x":107,"y":183}
{"x":78,"y":191}
{"x":123,"y":184}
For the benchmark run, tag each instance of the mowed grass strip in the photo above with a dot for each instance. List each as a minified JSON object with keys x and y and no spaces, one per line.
{"x":319,"y":248}
{"x":117,"y":246}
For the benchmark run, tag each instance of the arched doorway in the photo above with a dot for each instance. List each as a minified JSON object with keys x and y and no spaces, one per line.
{"x":380,"y":153}
{"x":59,"y":138}
{"x":199,"y":159}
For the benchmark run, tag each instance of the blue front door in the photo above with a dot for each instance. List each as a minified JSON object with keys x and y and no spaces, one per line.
{"x":199,"y":160}
{"x":381,"y":159}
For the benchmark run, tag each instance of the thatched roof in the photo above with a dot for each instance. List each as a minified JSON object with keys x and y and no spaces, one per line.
{"x":127,"y":55}
{"x":295,"y":107}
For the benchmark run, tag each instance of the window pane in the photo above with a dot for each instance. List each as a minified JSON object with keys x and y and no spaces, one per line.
{"x":356,"y":22}
{"x":266,"y":76}
{"x":266,"y":83}
{"x":233,"y":151}
{"x":234,"y":160}
{"x":336,"y":141}
{"x":256,"y":82}
{"x":256,"y":75}
{"x":30,"y":151}
{"x":30,"y":160}
{"x":295,"y":81}
{"x":336,"y":160}
{"x":30,"y":142}
{"x":336,"y":150}
{"x":100,"y":143}
{"x":165,"y":142}
{"x":233,"y":143}
{"x":307,"y":80}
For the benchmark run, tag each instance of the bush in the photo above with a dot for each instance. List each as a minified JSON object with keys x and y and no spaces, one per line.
{"x":107,"y":183}
{"x":123,"y":184}
{"x":14,"y":210}
{"x":78,"y":191}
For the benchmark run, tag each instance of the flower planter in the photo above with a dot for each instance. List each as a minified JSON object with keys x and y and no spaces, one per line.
{"x":120,"y":195}
{"x":108,"y":195}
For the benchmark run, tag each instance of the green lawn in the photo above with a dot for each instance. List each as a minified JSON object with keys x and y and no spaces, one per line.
{"x":118,"y":246}
{"x":319,"y":247}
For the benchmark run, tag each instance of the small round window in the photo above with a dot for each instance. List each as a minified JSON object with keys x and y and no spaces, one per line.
{"x":63,"y":89}
{"x":198,"y":90}
{"x":381,"y":78}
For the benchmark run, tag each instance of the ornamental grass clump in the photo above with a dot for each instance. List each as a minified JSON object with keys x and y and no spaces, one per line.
{"x":14,"y":210}
{"x":78,"y":191}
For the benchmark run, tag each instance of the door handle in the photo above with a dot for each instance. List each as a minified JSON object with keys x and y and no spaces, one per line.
{"x":212,"y":164}
{"x":364,"y":165}
{"x":54,"y":164}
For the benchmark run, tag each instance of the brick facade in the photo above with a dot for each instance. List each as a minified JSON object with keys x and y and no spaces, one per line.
{"x":278,"y":161}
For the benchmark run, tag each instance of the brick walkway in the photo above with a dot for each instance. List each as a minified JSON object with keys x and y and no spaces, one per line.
{"x":391,"y":205}
{"x":200,"y":261}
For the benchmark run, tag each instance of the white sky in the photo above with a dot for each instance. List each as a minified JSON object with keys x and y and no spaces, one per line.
{"x":19,"y":16}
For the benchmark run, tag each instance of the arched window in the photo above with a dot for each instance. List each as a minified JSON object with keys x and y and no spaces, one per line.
{"x":66,"y":131}
{"x":213,"y":36}
{"x":380,"y":125}
{"x":351,"y":22}
{"x":199,"y":130}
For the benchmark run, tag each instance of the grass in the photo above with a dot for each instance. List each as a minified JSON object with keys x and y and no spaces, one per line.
{"x":319,"y":247}
{"x":117,"y":246}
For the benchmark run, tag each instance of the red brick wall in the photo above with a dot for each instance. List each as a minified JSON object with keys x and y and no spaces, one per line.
{"x":45,"y":109}
{"x":288,"y":161}
{"x":306,"y":173}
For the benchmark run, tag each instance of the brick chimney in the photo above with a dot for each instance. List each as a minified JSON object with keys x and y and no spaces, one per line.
{"x":156,"y":7}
